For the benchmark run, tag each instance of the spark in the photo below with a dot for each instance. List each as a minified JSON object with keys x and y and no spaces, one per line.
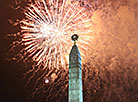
{"x":112,"y":58}
{"x":46,"y":81}
{"x":46,"y":30}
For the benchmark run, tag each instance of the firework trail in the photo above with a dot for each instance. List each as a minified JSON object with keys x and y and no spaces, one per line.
{"x":46,"y":30}
{"x":45,"y":35}
{"x":110,"y":71}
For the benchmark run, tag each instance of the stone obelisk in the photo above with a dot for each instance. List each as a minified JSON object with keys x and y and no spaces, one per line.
{"x":75,"y":74}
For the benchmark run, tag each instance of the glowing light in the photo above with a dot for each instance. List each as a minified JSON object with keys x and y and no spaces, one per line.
{"x":46,"y":31}
{"x":112,"y":56}
{"x":46,"y":81}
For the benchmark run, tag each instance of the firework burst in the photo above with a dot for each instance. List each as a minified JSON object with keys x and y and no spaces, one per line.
{"x":46,"y":30}
{"x":110,"y":70}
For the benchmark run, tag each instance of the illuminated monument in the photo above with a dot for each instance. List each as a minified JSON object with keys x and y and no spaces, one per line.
{"x":75,"y":74}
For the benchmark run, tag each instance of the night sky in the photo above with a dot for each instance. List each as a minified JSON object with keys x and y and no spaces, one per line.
{"x":110,"y":71}
{"x":11,"y":87}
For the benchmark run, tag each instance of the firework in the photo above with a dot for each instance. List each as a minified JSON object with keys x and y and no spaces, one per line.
{"x":110,"y":70}
{"x":45,"y":34}
{"x":46,"y":30}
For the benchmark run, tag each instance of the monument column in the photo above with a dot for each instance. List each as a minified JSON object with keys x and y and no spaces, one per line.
{"x":75,"y":73}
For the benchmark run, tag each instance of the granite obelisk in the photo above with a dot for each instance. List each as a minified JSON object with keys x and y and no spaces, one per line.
{"x":75,"y":73}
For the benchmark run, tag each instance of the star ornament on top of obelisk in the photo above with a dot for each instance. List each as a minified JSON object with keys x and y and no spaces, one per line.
{"x":75,"y":73}
{"x":75,"y":38}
